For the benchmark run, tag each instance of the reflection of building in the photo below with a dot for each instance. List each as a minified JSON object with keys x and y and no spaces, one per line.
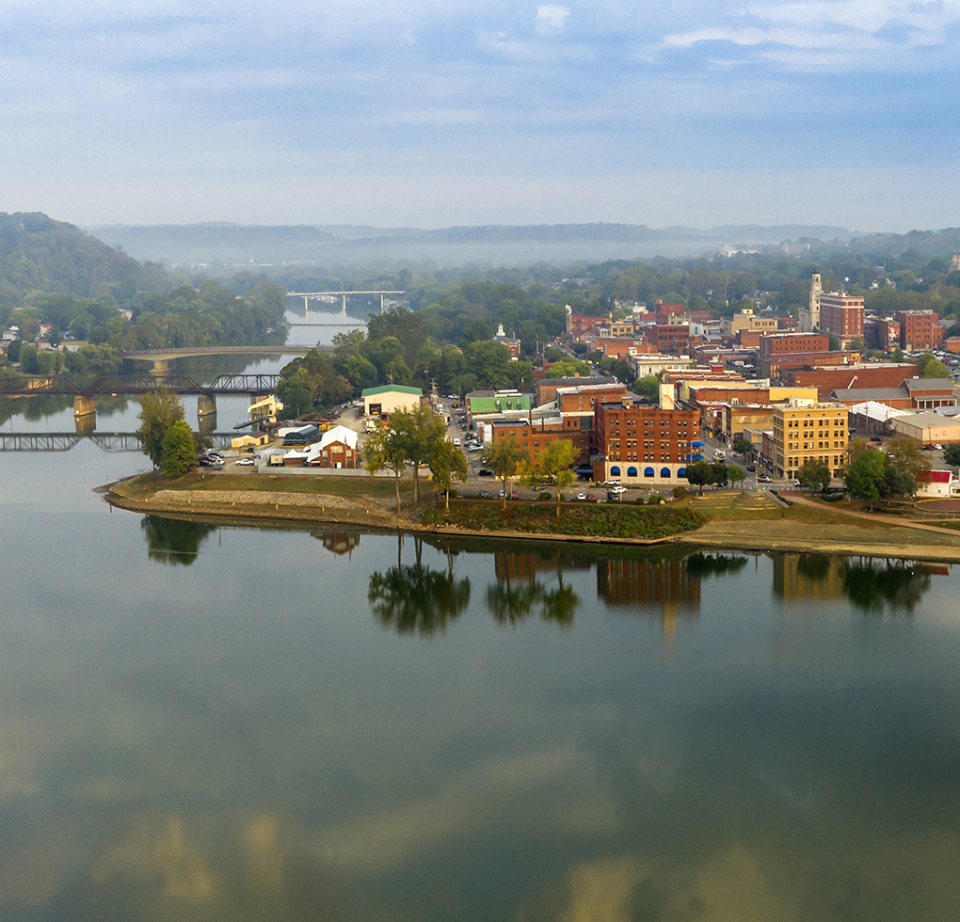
{"x":664,"y":584}
{"x":808,"y":576}
{"x":516,"y":566}
{"x":339,"y":542}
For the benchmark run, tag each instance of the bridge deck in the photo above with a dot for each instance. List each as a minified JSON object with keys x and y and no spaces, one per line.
{"x":116,"y":385}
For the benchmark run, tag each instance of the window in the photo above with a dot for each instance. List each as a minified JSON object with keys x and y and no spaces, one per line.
{"x":615,"y":471}
{"x":631,"y":472}
{"x":665,"y":472}
{"x":648,"y":472}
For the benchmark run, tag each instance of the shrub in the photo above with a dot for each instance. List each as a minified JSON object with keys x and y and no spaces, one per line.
{"x":640,"y":501}
{"x":544,"y":496}
{"x":680,"y":492}
{"x":656,"y":499}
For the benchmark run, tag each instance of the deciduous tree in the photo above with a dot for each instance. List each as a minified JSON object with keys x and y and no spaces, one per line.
{"x":446,"y":462}
{"x":159,"y":410}
{"x":504,"y":457}
{"x":814,"y":475}
{"x":178,"y":451}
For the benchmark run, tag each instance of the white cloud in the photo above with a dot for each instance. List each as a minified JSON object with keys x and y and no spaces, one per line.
{"x":551,"y":18}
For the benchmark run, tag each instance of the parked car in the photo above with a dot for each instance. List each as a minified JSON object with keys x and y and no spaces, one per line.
{"x":581,"y":496}
{"x":483,"y":472}
{"x":751,"y":467}
{"x":612,"y":495}
{"x":246,"y":462}
{"x":763,"y":478}
{"x":483,"y":493}
{"x":591,"y":497}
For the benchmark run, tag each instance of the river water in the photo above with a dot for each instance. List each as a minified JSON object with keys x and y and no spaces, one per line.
{"x":203,"y":723}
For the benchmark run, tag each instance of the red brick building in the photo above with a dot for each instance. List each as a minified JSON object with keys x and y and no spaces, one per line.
{"x":881,"y":333}
{"x":919,"y":330}
{"x":825,"y":380}
{"x":643,"y":445}
{"x":670,"y":338}
{"x":777,"y":344}
{"x":535,"y":437}
{"x":842,"y":315}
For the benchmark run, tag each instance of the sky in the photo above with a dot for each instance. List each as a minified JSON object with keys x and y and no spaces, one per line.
{"x":430,"y":114}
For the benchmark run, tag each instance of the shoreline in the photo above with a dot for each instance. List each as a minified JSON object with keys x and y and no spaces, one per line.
{"x":368,"y":513}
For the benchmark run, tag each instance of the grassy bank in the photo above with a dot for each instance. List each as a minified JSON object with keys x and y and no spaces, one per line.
{"x":646,"y":522}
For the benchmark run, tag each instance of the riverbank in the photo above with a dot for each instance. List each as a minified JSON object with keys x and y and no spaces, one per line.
{"x":734,"y":521}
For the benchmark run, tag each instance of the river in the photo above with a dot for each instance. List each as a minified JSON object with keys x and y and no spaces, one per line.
{"x":204,"y":723}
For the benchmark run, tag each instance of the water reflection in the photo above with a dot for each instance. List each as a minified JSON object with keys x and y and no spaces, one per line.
{"x":338,"y":543}
{"x":417,"y":599}
{"x":173,"y":541}
{"x":518,"y":594}
{"x":873,"y":585}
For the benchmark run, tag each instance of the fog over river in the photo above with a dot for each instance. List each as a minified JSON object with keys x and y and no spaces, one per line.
{"x":205,"y":723}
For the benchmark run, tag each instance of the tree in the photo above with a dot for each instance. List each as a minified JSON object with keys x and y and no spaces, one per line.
{"x":295,"y":391}
{"x":905,"y":457}
{"x":833,"y":342}
{"x":384,"y":450}
{"x":503,"y":457}
{"x":736,"y":474}
{"x":446,"y":461}
{"x":951,"y":454}
{"x":555,"y":467}
{"x":742,"y":445}
{"x":930,"y":366}
{"x":159,"y":410}
{"x":700,"y":474}
{"x":178,"y":451}
{"x":815,"y":475}
{"x":648,"y":386}
{"x":897,"y":354}
{"x":419,"y":430}
{"x":865,"y":475}
{"x":721,"y":473}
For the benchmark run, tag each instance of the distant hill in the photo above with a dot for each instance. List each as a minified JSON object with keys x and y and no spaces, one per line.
{"x":38,"y":254}
{"x":333,"y":245}
{"x":926,"y":244}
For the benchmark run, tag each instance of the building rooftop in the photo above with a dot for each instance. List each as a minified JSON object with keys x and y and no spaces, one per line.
{"x":391,"y":388}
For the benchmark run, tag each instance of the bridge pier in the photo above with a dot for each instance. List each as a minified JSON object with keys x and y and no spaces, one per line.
{"x":160,"y":368}
{"x":206,"y":405}
{"x":83,"y":406}
{"x":86,"y":424}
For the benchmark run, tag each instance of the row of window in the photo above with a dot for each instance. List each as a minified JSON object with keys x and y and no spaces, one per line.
{"x":647,"y":472}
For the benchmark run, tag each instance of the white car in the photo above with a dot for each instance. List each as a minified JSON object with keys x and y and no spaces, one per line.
{"x":246,"y":462}
{"x":456,"y":442}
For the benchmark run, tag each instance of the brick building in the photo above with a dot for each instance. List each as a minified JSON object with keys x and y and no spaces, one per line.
{"x":842,"y":315}
{"x":670,"y":338}
{"x":536,"y":436}
{"x":881,"y":333}
{"x":919,"y":330}
{"x":643,"y":445}
{"x":777,"y":344}
{"x":826,"y":379}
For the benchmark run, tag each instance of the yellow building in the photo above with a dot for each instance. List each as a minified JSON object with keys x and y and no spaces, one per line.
{"x":805,"y":432}
{"x":747,"y":320}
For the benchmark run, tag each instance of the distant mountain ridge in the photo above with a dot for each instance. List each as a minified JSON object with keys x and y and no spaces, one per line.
{"x":237,"y":244}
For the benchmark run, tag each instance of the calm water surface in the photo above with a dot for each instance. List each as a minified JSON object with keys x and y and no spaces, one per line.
{"x":242,"y":724}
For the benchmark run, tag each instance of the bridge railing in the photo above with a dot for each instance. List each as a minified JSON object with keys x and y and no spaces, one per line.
{"x":117,"y":385}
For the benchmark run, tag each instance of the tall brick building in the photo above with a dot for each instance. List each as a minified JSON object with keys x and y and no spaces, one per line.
{"x":919,"y":330}
{"x":643,"y":445}
{"x":842,"y":315}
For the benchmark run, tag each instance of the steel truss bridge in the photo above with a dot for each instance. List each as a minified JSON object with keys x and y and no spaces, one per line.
{"x":119,"y":385}
{"x":64,"y":441}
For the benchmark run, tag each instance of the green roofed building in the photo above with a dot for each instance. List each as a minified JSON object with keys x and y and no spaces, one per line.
{"x":390,"y":398}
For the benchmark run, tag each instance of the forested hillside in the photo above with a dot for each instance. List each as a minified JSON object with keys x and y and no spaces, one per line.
{"x":41,"y":256}
{"x":53,"y":273}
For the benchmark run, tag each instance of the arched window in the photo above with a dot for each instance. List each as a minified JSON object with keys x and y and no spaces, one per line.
{"x":631,"y":472}
{"x":648,"y":472}
{"x":682,"y":472}
{"x":615,"y":471}
{"x":665,"y":472}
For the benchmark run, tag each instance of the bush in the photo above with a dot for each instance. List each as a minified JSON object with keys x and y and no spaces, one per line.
{"x":453,"y":493}
{"x":680,"y":492}
{"x":656,"y":499}
{"x":640,"y":501}
{"x":545,"y":496}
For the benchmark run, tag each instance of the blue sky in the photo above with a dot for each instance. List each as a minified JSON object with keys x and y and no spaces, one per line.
{"x":428,"y":113}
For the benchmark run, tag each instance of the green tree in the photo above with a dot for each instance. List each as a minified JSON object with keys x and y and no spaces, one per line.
{"x":504,"y":457}
{"x":742,"y":445}
{"x":736,"y":474}
{"x":159,"y":410}
{"x":865,"y":476}
{"x":419,"y":431}
{"x":906,"y":458}
{"x":815,"y":475}
{"x":700,"y":474}
{"x":897,"y":354}
{"x":951,"y":454}
{"x":385,"y":451}
{"x":930,"y":366}
{"x":554,"y":467}
{"x":178,"y":451}
{"x":295,"y":391}
{"x":446,"y":462}
{"x":648,"y":386}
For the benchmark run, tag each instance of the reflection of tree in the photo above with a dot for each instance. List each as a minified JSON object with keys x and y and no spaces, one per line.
{"x":814,"y":566}
{"x":870,"y":585}
{"x":510,"y":604}
{"x":417,"y":599}
{"x":173,"y":541}
{"x":701,"y":564}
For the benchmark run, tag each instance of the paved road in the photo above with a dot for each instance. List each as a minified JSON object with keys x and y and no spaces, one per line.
{"x":872,"y":516}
